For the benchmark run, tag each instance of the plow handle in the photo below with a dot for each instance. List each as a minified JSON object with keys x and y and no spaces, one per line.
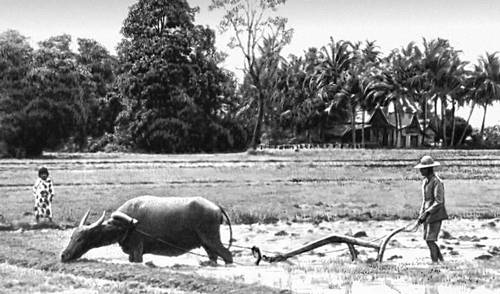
{"x":385,"y":241}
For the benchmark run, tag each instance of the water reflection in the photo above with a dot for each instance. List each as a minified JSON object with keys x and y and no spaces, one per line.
{"x":392,"y":286}
{"x":383,"y":286}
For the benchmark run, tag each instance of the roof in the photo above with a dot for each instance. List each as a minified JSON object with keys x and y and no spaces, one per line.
{"x":342,"y":129}
{"x":338,"y":130}
{"x":406,"y":119}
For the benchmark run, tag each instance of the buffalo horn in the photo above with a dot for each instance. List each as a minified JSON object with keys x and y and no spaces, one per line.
{"x":84,"y":219}
{"x":99,"y":221}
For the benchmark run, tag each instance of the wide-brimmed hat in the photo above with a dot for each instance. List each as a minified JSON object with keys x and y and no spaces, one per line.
{"x":427,"y":161}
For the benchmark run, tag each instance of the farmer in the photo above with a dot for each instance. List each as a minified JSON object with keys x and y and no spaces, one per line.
{"x":432,"y":211}
{"x":44,"y":193}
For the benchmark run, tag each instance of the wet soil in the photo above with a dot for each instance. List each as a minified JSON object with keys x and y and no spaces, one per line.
{"x":326,"y":269}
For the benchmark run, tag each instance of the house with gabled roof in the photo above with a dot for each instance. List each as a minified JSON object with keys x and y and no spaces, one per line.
{"x":380,"y":130}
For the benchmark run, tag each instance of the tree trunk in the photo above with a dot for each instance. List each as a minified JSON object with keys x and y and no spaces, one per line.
{"x":398,"y":131}
{"x":353,"y":125}
{"x":363,"y":129}
{"x":484,"y":119}
{"x":258,"y":124}
{"x":443,"y":121}
{"x":436,"y":117}
{"x":461,"y":141}
{"x":452,"y":143}
{"x":424,"y":125}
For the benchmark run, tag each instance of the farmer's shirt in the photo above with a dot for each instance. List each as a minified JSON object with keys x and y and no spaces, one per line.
{"x":433,"y":199}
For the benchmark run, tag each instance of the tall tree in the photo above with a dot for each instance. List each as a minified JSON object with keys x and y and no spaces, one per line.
{"x":417,"y":83}
{"x":61,"y":91}
{"x":96,"y":60}
{"x":332,"y":75}
{"x":489,"y":70}
{"x":398,"y":75}
{"x":445,"y":72}
{"x":172,"y":87}
{"x":250,"y":21}
{"x":364,"y":75}
{"x":16,"y":56}
{"x":269,"y":62}
{"x":474,"y":93}
{"x":300,"y":107}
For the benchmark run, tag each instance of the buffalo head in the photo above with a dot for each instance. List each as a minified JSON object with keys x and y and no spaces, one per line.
{"x":84,"y":238}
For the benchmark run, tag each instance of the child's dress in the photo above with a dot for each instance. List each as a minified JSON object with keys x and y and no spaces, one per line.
{"x":43,"y":192}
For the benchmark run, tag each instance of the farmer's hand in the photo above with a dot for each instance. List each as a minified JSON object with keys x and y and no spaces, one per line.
{"x":422,"y":217}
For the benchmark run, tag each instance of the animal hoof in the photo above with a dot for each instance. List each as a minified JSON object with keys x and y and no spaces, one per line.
{"x":208,"y":263}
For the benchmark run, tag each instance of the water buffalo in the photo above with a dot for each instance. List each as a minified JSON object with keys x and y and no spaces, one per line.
{"x":168,"y":226}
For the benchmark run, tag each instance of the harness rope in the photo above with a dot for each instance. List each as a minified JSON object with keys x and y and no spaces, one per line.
{"x":256,"y":252}
{"x":175,"y":246}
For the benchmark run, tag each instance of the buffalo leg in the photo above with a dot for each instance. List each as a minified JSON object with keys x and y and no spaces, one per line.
{"x":212,"y":256}
{"x":135,"y":254}
{"x":212,"y":244}
{"x":223,"y":253}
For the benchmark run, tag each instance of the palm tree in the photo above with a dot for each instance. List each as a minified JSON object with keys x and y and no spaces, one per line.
{"x":298,"y":101}
{"x":489,"y":67}
{"x":473,"y":94}
{"x":454,"y":85}
{"x":332,"y":74}
{"x":445,"y":72}
{"x":418,"y":86}
{"x":398,"y":76}
{"x":351,"y":93}
{"x":370,"y":62}
{"x":335,"y":60}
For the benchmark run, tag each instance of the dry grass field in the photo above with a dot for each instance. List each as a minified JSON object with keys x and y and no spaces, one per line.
{"x":360,"y":186}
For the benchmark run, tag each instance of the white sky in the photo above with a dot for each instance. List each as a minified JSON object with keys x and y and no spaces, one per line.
{"x":470,"y":26}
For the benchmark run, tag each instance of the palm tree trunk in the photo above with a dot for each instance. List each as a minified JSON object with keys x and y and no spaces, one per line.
{"x":436,"y":118}
{"x":461,"y":141}
{"x":484,"y":119}
{"x":443,"y":121}
{"x":363,"y":129}
{"x":396,"y":116}
{"x":258,"y":124}
{"x":452,"y":143}
{"x":353,"y":125}
{"x":424,"y":125}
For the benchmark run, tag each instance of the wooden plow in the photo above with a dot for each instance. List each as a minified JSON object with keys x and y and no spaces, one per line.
{"x":348,"y":240}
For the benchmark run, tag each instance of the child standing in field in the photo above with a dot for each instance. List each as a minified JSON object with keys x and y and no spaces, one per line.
{"x":43,"y":191}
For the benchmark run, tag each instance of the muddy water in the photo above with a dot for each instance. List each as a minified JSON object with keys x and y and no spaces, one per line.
{"x":317,"y":271}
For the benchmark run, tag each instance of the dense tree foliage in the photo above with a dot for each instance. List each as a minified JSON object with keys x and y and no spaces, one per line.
{"x":16,"y":56}
{"x":103,"y":108}
{"x":173,"y":91}
{"x":49,"y":95}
